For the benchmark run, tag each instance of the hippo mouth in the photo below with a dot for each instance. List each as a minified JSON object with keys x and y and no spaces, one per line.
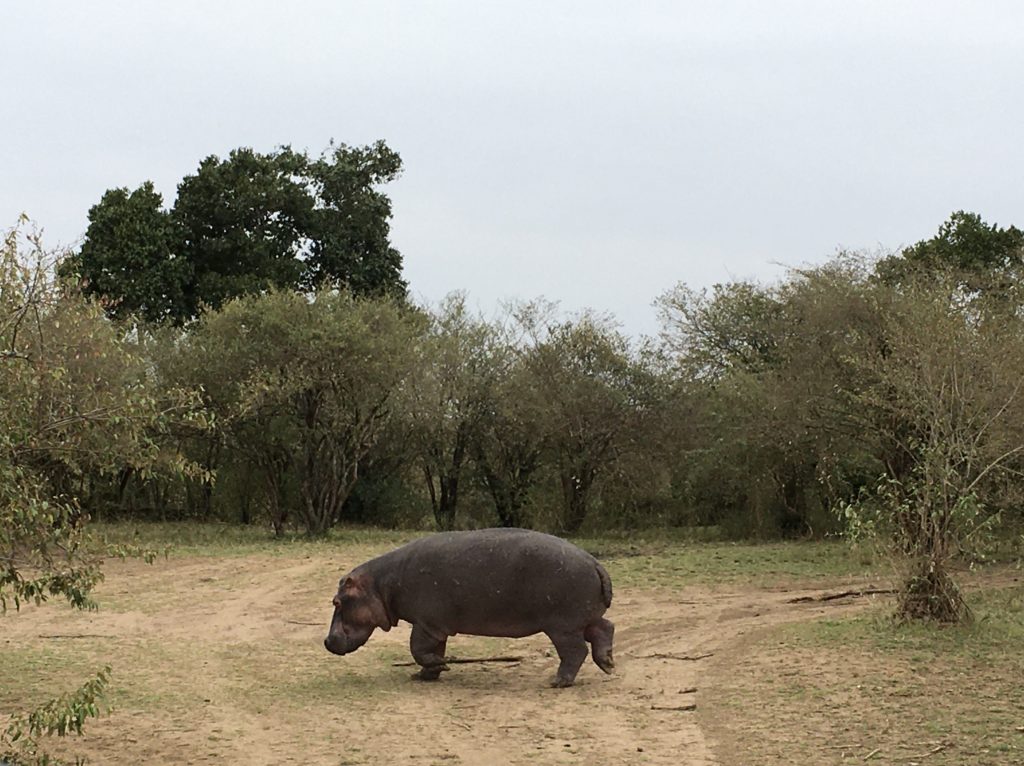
{"x":342,"y":644}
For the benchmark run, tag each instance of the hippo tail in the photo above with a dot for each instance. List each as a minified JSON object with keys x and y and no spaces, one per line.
{"x":606,"y":584}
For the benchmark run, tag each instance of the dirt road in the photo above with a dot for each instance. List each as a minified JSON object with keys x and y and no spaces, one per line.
{"x":220,"y":660}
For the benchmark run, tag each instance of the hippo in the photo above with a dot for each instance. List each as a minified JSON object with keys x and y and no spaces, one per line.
{"x":491,"y":582}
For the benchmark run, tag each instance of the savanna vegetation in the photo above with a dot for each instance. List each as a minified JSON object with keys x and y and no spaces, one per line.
{"x":249,"y":356}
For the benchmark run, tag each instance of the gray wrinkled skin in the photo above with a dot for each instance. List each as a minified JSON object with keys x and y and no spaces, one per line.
{"x":491,"y":582}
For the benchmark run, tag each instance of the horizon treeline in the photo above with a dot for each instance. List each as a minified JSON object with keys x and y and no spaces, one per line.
{"x":250,"y":355}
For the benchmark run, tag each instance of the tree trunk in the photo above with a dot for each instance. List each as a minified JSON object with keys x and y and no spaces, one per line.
{"x":508,"y":502}
{"x":445,"y":512}
{"x":575,"y":492}
{"x":444,"y":500}
{"x":509,"y":484}
{"x":444,"y":497}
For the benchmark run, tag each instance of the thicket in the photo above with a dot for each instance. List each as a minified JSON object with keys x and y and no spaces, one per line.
{"x":879,"y":396}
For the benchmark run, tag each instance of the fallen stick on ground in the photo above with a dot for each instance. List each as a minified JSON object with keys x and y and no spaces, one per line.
{"x":683,"y":657}
{"x":300,"y":622}
{"x":462,"y":660}
{"x":933,"y":751}
{"x":77,"y":635}
{"x":842,"y":594}
{"x":680,"y":708}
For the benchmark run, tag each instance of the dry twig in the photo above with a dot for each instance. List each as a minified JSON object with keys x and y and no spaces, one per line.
{"x":841,"y":594}
{"x":679,"y":708}
{"x":463,"y":660}
{"x":933,"y":751}
{"x":683,"y":657}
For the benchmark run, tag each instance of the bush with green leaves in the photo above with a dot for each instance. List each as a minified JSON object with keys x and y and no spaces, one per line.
{"x":21,"y":741}
{"x":307,"y":387}
{"x":941,"y":398}
{"x":589,"y":392}
{"x":79,"y":404}
{"x":763,"y":443}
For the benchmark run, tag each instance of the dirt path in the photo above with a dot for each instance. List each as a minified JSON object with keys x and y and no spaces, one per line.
{"x":220,"y":660}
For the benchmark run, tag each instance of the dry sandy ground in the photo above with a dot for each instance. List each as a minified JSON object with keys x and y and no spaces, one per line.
{"x":220,"y":660}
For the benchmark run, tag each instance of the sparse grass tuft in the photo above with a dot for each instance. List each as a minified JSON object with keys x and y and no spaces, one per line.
{"x":648,"y":558}
{"x":218,"y":539}
{"x":869,"y":684}
{"x":660,"y":563}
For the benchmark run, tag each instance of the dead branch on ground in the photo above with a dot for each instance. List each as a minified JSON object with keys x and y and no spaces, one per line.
{"x":682,"y":657}
{"x":463,"y":660}
{"x":677,"y":708}
{"x":842,"y":594}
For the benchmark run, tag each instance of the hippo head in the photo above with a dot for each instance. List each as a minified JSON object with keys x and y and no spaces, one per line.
{"x":358,"y":610}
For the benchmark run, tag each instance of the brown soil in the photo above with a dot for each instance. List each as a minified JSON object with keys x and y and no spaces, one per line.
{"x":220,"y":660}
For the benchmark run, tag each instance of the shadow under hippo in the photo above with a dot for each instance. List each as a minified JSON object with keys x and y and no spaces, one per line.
{"x":491,"y":582}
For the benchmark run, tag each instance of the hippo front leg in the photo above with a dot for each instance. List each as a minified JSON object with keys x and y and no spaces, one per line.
{"x":572,"y":650}
{"x":428,"y":651}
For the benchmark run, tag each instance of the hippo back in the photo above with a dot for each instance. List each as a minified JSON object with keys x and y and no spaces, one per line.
{"x":495,"y":582}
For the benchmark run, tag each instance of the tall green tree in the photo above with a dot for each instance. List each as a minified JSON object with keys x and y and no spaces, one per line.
{"x":128,"y":257}
{"x":984,"y":261}
{"x":242,"y":225}
{"x":964,"y":243}
{"x":350,"y":242}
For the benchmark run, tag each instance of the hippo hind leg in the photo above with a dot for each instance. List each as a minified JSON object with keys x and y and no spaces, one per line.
{"x":600,"y":634}
{"x":428,"y":651}
{"x":572,"y":650}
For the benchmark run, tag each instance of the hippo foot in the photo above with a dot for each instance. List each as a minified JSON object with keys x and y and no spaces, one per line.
{"x":562,"y":683}
{"x":431,"y":673}
{"x":606,"y":663}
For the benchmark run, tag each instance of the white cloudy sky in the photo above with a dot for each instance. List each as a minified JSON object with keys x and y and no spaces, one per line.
{"x":592,"y":152}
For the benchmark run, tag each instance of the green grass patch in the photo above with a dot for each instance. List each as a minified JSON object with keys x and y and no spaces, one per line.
{"x":217,"y":539}
{"x":998,"y":622}
{"x":829,"y":691}
{"x":649,"y":558}
{"x":32,"y":675}
{"x":658,"y":563}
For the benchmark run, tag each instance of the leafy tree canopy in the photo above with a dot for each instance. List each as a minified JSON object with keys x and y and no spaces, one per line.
{"x":982,"y":254}
{"x":242,"y":225}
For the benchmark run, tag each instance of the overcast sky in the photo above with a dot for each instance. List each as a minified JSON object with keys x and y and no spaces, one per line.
{"x":591,"y":152}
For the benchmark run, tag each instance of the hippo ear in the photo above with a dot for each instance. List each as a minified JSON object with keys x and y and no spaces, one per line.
{"x":350,"y":586}
{"x":356,"y":587}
